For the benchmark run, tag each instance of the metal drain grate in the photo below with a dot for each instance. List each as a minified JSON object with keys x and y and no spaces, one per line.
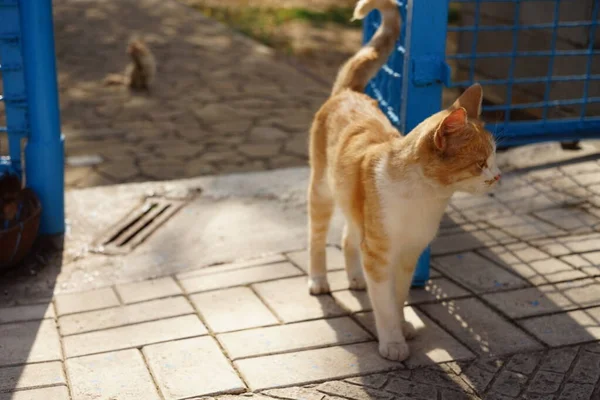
{"x":137,"y":226}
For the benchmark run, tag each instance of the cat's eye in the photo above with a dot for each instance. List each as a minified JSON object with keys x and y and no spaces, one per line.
{"x":482,"y":164}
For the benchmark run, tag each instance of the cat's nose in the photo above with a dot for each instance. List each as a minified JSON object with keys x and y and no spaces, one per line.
{"x":497,"y":177}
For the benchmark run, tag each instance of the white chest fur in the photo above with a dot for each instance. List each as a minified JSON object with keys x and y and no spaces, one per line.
{"x":411,"y":209}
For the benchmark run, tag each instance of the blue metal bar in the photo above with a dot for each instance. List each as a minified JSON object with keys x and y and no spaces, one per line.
{"x":519,"y":133}
{"x":511,"y":70}
{"x":422,"y":98}
{"x":548,"y":85}
{"x":517,"y":81}
{"x":540,"y":104}
{"x":472,"y":61}
{"x":592,"y":40}
{"x":45,"y":148}
{"x":562,"y":53}
{"x":499,"y":1}
{"x":13,"y":85}
{"x":505,"y":28}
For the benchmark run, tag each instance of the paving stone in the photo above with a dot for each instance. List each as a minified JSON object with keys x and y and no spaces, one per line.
{"x":432,"y":344}
{"x":313,"y":366}
{"x":566,"y":328}
{"x":533,"y":265}
{"x":353,"y":300}
{"x":26,"y":313}
{"x":124,"y":315}
{"x":588,"y":179}
{"x":547,"y":298}
{"x":349,"y":391}
{"x":232,"y":309}
{"x":334,"y":256}
{"x":552,"y":246}
{"x":148,"y":290}
{"x":295,"y":393}
{"x":437,"y":376}
{"x":537,"y":396}
{"x":448,"y":394}
{"x":485,"y":212}
{"x":175,"y":364}
{"x":525,"y":227}
{"x":480,"y":328}
{"x":259,"y":150}
{"x":85,"y":301}
{"x":531,"y":204}
{"x":524,"y":363}
{"x":239,"y":277}
{"x":477,"y":377}
{"x":376,"y":381}
{"x":293,"y":337}
{"x":509,"y":383}
{"x":586,"y":369}
{"x":118,"y":375}
{"x":54,"y":393}
{"x":545,"y":382}
{"x":455,"y":244}
{"x":31,"y":375}
{"x":436,"y":290}
{"x":28,"y":342}
{"x":477,"y":273}
{"x":133,"y":335}
{"x":571,"y":219}
{"x":271,"y":259}
{"x":580,"y":168}
{"x":290,"y":300}
{"x":570,"y":244}
{"x":559,"y":360}
{"x":576,"y":391}
{"x":410,"y":389}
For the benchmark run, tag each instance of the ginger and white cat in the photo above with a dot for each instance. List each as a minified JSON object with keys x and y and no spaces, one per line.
{"x":392,"y":189}
{"x":140,"y":73}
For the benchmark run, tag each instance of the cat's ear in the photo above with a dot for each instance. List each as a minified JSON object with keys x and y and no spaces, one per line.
{"x":455,"y":122}
{"x":471,"y":100}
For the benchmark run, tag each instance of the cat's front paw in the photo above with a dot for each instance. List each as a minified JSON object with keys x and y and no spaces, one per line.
{"x":394,"y":351}
{"x":318,"y":285}
{"x":408,"y":330}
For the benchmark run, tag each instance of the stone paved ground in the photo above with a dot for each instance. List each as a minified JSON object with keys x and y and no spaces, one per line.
{"x":512,"y":311}
{"x":222,"y":103}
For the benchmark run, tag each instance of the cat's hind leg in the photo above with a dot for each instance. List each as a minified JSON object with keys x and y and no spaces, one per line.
{"x":320,"y":210}
{"x":351,"y":248}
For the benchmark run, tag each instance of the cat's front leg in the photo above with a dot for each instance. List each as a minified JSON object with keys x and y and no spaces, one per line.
{"x":381,"y":287}
{"x":403,"y":274}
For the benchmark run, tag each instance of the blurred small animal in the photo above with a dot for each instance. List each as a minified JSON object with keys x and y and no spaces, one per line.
{"x":140,"y":73}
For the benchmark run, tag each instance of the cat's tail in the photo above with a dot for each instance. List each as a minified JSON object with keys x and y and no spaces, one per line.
{"x":358,"y":70}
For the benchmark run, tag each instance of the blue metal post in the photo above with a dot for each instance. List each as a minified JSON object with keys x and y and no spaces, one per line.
{"x":424,"y":69}
{"x":44,"y":153}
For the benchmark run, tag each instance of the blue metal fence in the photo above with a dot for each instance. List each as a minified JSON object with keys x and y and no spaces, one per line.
{"x":538,"y":61}
{"x":30,"y":97}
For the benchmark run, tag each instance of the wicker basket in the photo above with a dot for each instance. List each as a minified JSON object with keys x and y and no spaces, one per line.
{"x":16,"y":240}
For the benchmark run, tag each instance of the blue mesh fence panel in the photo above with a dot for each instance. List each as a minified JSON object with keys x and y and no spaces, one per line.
{"x":539,"y":63}
{"x":386,"y":87}
{"x":13,"y":126}
{"x":538,"y":60}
